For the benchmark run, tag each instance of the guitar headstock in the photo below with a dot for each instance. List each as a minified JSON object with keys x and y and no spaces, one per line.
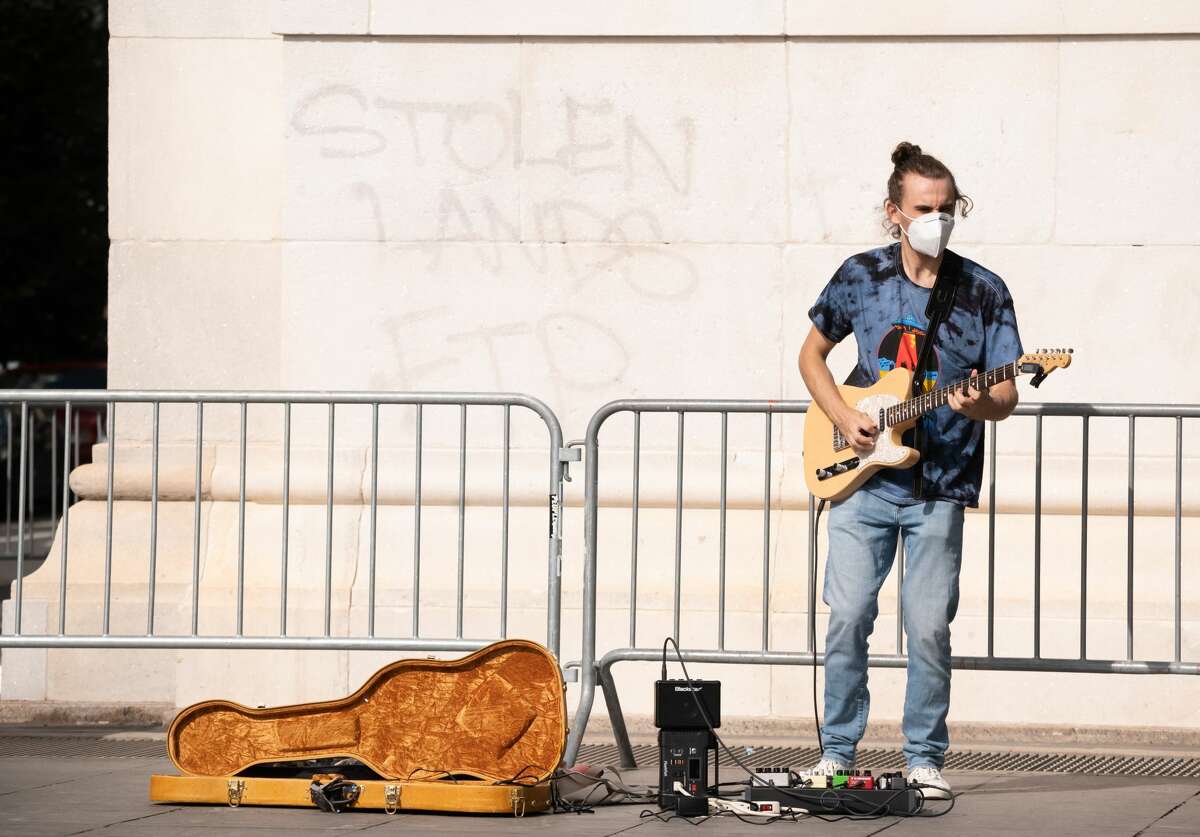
{"x":1044,"y":361}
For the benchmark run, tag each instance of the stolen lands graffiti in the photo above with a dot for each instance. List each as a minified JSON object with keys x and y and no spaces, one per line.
{"x":481,"y":137}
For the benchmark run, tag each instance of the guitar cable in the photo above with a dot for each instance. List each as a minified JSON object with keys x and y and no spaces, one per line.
{"x":812,"y":622}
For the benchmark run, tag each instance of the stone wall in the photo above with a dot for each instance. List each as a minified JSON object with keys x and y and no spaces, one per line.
{"x":589,"y":201}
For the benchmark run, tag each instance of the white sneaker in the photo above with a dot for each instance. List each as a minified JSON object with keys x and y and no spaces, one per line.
{"x":827,"y":767}
{"x":931,"y":782}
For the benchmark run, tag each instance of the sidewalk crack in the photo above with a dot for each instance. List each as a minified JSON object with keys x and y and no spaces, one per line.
{"x":1166,"y":814}
{"x":123,"y":822}
{"x":54,"y":784}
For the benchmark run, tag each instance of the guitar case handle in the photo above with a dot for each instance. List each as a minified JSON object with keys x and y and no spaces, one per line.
{"x":333,"y":795}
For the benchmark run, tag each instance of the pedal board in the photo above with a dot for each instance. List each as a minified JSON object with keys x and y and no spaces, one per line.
{"x":899,"y":800}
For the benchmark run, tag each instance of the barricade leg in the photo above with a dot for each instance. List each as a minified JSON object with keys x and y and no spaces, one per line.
{"x":615,"y":716}
{"x":587,"y":695}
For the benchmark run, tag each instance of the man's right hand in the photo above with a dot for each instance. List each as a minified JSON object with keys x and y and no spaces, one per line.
{"x":858,"y":429}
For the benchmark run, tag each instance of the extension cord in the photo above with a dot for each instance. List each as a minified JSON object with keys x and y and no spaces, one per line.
{"x":767,"y":810}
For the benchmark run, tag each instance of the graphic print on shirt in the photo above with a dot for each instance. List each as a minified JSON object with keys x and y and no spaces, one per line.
{"x":901,"y":347}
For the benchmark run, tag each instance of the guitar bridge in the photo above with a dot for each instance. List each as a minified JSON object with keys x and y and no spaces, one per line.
{"x":837,"y":469}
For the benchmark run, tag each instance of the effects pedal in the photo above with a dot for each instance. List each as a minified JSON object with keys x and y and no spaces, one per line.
{"x":846,"y":792}
{"x":780,"y":777}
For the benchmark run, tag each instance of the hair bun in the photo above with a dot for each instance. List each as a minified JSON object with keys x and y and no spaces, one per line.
{"x":904,"y":152}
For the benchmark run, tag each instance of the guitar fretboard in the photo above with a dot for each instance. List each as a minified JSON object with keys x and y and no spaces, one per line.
{"x":914,"y":407}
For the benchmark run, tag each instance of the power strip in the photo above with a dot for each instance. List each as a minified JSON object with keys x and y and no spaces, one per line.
{"x":767,"y":809}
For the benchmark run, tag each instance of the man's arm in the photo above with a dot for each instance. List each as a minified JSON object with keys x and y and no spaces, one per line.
{"x":994,"y":403}
{"x":857,"y":427}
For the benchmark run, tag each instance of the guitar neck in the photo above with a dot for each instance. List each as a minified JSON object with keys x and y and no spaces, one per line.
{"x":922,"y":404}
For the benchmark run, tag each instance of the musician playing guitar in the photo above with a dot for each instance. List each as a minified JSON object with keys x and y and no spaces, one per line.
{"x":881,"y":297}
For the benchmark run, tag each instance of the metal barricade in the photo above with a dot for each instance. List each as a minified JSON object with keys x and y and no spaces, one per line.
{"x":65,"y":408}
{"x":595,"y":670}
{"x":35,"y":487}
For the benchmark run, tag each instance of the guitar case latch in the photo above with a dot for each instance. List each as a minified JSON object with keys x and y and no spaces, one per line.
{"x":235,"y":788}
{"x":391,"y":798}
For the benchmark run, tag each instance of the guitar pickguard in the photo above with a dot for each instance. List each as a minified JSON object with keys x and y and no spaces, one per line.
{"x":887,"y":451}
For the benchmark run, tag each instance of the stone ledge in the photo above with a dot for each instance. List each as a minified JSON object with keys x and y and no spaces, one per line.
{"x":779,"y":731}
{"x":190,"y":19}
{"x":790,"y":731}
{"x":716,"y":18}
{"x":687,"y":18}
{"x":84,"y":713}
{"x":884,"y":18}
{"x":231,"y":19}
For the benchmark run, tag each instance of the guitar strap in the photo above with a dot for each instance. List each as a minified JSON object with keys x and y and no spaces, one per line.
{"x":941,"y":300}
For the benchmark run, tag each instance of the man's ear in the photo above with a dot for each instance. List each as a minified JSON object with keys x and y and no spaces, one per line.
{"x":893,"y":213}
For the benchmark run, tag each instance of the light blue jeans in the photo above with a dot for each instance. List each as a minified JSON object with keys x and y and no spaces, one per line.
{"x":862,"y":547}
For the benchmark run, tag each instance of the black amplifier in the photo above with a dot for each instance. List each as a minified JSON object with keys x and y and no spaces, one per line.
{"x":675,"y":707}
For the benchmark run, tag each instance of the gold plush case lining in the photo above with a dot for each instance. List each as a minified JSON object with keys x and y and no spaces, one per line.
{"x":497,"y":714}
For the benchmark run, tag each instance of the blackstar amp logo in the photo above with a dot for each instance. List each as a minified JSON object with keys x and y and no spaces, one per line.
{"x":677,"y":704}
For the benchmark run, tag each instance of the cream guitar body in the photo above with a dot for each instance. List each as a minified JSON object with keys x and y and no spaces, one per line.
{"x":832,"y":468}
{"x":819,"y":432}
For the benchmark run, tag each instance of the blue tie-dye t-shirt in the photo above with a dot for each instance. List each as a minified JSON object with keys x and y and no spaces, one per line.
{"x":871,"y":297}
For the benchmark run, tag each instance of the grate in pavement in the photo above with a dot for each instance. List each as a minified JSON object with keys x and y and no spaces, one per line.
{"x":876,"y":759}
{"x":75,"y":746}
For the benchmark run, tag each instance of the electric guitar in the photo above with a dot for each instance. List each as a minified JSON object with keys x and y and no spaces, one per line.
{"x":833,"y":470}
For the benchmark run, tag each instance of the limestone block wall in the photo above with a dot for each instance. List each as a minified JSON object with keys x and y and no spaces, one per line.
{"x":591,"y":201}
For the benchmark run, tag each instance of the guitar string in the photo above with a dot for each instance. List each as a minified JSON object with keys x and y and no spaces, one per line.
{"x":923,"y":403}
{"x":914,"y":407}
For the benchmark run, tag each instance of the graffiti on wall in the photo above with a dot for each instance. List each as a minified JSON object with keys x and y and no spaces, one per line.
{"x":367,"y":144}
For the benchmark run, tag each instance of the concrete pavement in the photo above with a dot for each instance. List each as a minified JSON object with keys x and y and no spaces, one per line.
{"x":71,"y":796}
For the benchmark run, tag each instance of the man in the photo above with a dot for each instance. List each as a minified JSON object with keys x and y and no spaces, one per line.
{"x":880,"y":297}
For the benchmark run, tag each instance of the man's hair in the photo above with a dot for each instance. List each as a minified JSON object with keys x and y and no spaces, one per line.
{"x":908,"y":158}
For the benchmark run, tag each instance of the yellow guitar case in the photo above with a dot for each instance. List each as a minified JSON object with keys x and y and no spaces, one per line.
{"x":480,"y":734}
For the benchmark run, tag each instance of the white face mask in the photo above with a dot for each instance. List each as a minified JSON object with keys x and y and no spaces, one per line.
{"x":929,"y":233}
